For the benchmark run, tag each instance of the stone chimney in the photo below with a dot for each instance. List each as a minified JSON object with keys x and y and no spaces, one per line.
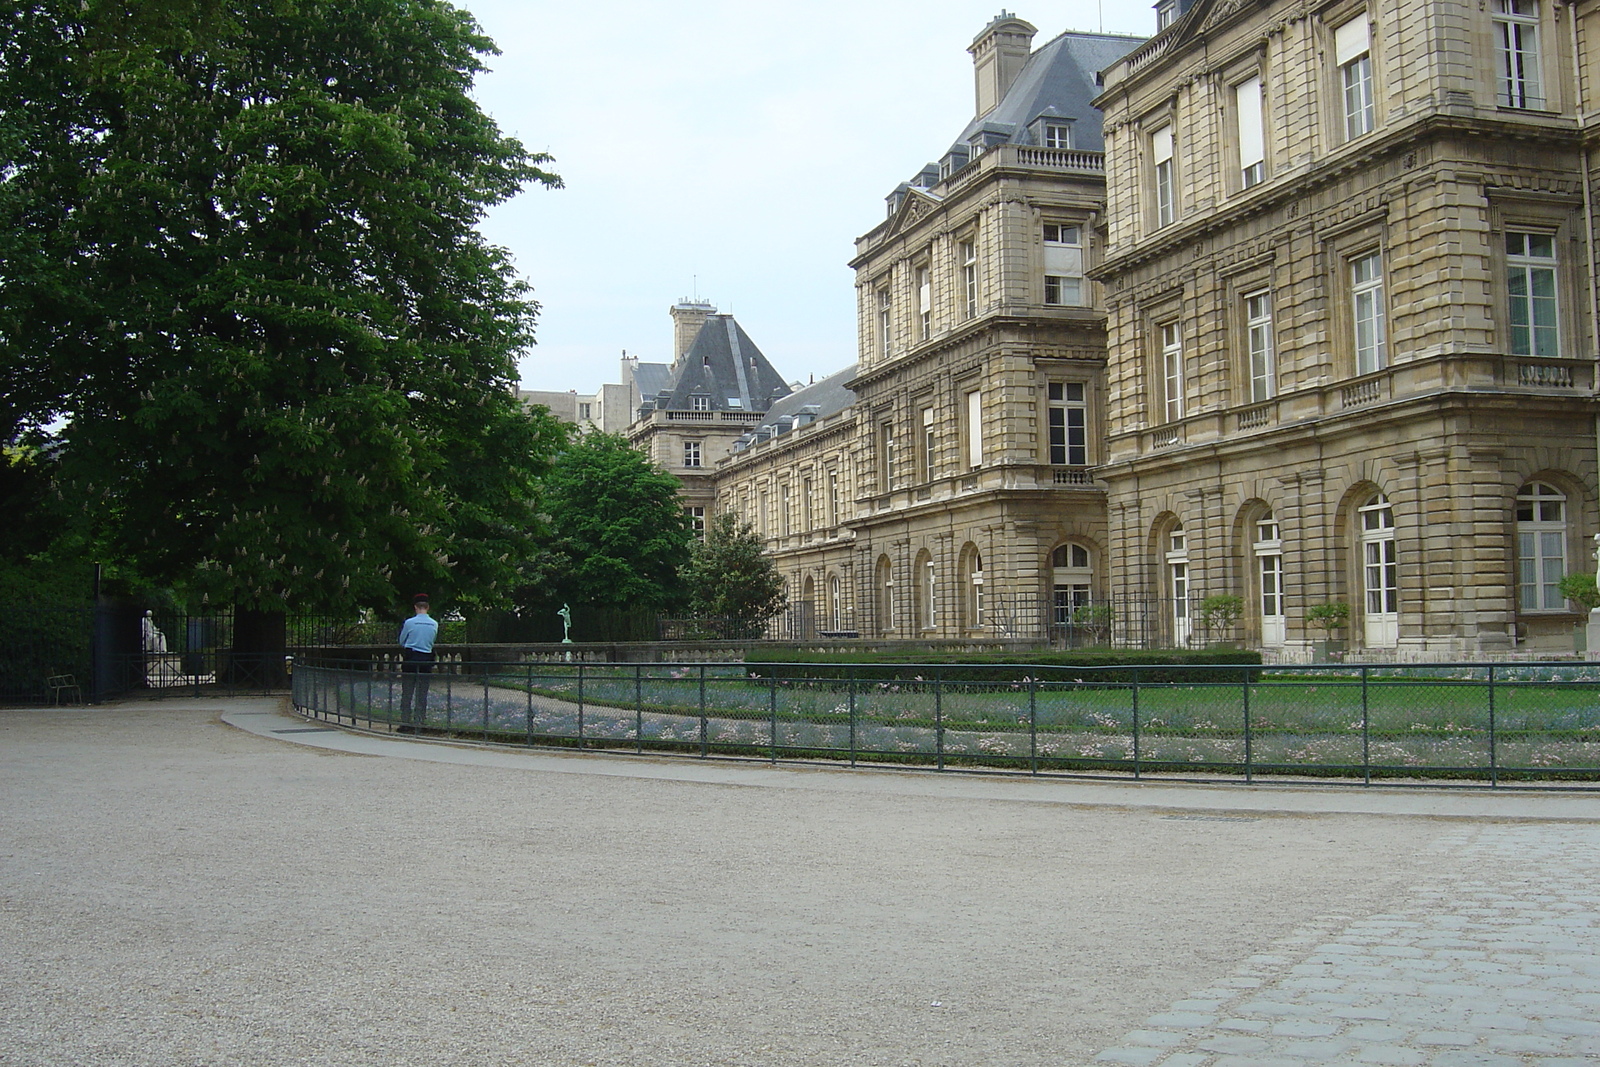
{"x":687,"y":318}
{"x":998,"y":54}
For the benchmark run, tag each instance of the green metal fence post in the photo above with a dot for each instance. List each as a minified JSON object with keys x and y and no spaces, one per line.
{"x":772,"y":699}
{"x":638,"y":708}
{"x":938,"y":715}
{"x":1366,"y":732}
{"x":449,"y":701}
{"x":1136,"y":722}
{"x":1033,"y":726}
{"x":852,"y":716}
{"x":486,"y":704}
{"x":705,"y":745}
{"x":1494,"y":763}
{"x":580,"y":703}
{"x":527,"y":717}
{"x":1249,"y":749}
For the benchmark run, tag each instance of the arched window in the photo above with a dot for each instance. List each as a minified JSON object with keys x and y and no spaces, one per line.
{"x":1072,"y":581}
{"x":1380,"y":573}
{"x":1267,"y":546}
{"x":970,"y":584}
{"x":1541,"y":547}
{"x":884,"y":588}
{"x":1177,"y":563}
{"x":924,"y":587}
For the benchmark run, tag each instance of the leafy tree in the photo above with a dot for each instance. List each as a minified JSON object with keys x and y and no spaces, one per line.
{"x":238,"y":257}
{"x":730,"y":578}
{"x":619,"y":532}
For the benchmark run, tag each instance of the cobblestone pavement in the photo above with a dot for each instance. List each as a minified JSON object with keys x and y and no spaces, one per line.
{"x":1500,"y":968}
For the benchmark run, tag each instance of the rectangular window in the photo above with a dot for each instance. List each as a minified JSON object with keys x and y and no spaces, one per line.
{"x":806,"y":523}
{"x":886,"y":445}
{"x":697,"y":522}
{"x":1252,"y":141}
{"x":1063,"y":264}
{"x":691,"y":453}
{"x":833,"y":497}
{"x":1068,"y":424}
{"x":1172,"y":370}
{"x":1057,"y":136}
{"x":785,"y":511}
{"x":969,"y":276}
{"x":1258,"y":341}
{"x":1516,"y":38}
{"x":930,"y":443}
{"x":1366,"y":301}
{"x":1161,"y":157}
{"x":925,"y":302}
{"x":699,"y":403}
{"x":975,"y":429}
{"x":586,"y":411}
{"x":1531,"y":283}
{"x":1353,"y":50}
{"x":885,"y":322}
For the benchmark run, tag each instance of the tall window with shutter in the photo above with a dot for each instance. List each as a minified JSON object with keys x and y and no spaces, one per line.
{"x":1252,"y":142}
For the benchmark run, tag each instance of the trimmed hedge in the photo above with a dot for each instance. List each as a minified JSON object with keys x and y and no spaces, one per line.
{"x":1079,"y":666}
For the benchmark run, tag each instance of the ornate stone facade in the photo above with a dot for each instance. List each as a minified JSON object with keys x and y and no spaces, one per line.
{"x":1351,"y":318}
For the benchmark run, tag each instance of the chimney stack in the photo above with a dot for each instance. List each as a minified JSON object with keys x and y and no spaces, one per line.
{"x":687,"y":318}
{"x":998,"y":55}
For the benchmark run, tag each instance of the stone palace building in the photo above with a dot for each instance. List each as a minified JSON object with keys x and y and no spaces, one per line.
{"x":1293,"y":303}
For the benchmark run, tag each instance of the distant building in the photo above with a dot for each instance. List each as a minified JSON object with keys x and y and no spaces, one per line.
{"x":689,"y":413}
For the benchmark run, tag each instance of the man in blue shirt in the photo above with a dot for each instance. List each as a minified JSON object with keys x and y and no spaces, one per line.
{"x":416,"y":669}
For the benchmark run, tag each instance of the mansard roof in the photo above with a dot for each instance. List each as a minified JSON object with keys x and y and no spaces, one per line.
{"x":1060,"y":81}
{"x":804,"y":406}
{"x":724,"y":365}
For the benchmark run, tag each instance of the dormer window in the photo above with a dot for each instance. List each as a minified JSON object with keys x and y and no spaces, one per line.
{"x":1166,"y":14}
{"x":1057,"y":135}
{"x":699,"y":403}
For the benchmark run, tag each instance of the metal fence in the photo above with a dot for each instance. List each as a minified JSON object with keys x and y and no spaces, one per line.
{"x":1490,"y":724}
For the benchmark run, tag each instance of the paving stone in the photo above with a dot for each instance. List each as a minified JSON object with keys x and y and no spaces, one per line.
{"x":1398,"y":1055}
{"x":1317,"y":1051}
{"x":1447,"y":1037}
{"x":1181,"y":1020}
{"x":1473,"y":1058}
{"x":1354,"y":1012}
{"x":1186,"y":1059}
{"x":1586,"y":1027}
{"x":1157,"y":1038}
{"x":1230,"y":1045}
{"x":1527,"y":1044}
{"x":1303,"y":1028}
{"x":1136,"y":1056}
{"x":1379,"y":1032}
{"x":1248,"y":1026}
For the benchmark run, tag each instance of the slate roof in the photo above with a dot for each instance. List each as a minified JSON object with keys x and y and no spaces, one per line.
{"x":1059,"y":79}
{"x":809,"y":404}
{"x":651,"y":379}
{"x":726,"y":366}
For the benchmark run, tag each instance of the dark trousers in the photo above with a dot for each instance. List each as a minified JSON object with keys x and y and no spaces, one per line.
{"x":416,"y":672}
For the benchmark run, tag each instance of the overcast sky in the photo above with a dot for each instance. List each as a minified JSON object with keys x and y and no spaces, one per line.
{"x":727,"y":150}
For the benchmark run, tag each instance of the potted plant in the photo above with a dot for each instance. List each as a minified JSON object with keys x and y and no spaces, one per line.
{"x":1581,"y":589}
{"x":1220,"y":612}
{"x":1334,"y":615}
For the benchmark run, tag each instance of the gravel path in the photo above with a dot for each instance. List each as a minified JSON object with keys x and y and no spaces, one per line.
{"x":177,"y":891}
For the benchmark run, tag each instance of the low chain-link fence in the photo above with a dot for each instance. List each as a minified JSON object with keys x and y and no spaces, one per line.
{"x":1496,"y":725}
